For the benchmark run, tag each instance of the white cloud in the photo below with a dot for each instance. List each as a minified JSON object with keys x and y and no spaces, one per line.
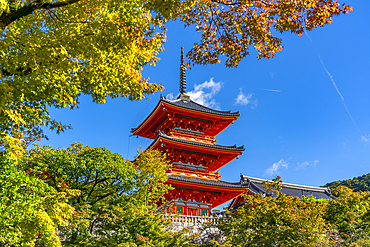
{"x":170,"y":96}
{"x":243,"y":99}
{"x":204,"y":93}
{"x":365,"y":138}
{"x":303,"y":165}
{"x":276,"y":166}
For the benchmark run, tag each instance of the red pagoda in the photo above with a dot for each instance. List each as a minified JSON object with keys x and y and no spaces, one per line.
{"x":186,"y":131}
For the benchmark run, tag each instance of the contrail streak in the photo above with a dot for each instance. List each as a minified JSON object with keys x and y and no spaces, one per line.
{"x":363,"y":137}
{"x":271,"y":90}
{"x":341,"y":96}
{"x":307,"y":35}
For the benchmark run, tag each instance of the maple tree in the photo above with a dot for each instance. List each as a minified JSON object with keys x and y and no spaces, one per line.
{"x":29,"y":208}
{"x":54,"y":51}
{"x":276,"y":221}
{"x":283,"y":220}
{"x":230,"y":27}
{"x":350,"y":215}
{"x":117,"y":204}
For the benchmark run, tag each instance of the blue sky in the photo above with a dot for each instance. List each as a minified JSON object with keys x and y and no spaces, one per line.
{"x":304,"y":114}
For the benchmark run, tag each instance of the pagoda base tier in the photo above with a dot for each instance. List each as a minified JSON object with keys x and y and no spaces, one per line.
{"x":211,"y":192}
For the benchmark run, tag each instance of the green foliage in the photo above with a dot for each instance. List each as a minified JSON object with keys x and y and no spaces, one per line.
{"x":117,"y":203}
{"x":311,"y":198}
{"x":52,"y":54}
{"x":290,"y":221}
{"x":29,"y":208}
{"x":350,"y":215}
{"x":153,"y":176}
{"x":361,"y":183}
{"x":279,"y":221}
{"x":54,"y":51}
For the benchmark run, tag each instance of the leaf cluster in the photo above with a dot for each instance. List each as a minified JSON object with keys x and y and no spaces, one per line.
{"x":53,"y":52}
{"x":276,"y":221}
{"x":350,"y":215}
{"x":29,"y":208}
{"x":361,"y":183}
{"x":290,"y":221}
{"x":230,"y":27}
{"x":116,"y":206}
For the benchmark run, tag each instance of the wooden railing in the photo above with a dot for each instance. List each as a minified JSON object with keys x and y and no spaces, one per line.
{"x":192,"y":220}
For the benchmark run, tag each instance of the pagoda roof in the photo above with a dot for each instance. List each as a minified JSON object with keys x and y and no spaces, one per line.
{"x":185,"y":102}
{"x":227,"y":191}
{"x":222,"y":154}
{"x":183,"y":106}
{"x":214,"y":146}
{"x":217,"y":183}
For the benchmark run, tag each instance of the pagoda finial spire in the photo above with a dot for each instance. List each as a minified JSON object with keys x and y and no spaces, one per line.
{"x":182,"y":74}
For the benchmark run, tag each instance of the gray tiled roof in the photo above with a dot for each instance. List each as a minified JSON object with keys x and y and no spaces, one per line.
{"x":256,"y":186}
{"x":186,"y":102}
{"x":232,"y":148}
{"x":218,"y":183}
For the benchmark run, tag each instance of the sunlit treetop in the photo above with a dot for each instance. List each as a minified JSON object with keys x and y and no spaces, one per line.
{"x":230,"y":27}
{"x":52,"y":52}
{"x":49,"y":57}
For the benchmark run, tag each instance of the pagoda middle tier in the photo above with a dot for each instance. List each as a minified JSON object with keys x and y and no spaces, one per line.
{"x":193,"y":156}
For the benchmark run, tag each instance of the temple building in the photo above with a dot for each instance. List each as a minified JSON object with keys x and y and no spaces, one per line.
{"x":186,"y":131}
{"x":255,"y":185}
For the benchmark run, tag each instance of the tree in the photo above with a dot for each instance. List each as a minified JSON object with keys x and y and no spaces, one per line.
{"x":54,"y":51}
{"x":118,"y":198}
{"x":361,"y":183}
{"x":280,"y":221}
{"x":51,"y":53}
{"x":29,"y":208}
{"x":276,"y":221}
{"x":230,"y":27}
{"x":350,"y":215}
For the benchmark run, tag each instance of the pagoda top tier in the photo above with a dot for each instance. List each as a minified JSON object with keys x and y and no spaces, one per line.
{"x":186,"y":116}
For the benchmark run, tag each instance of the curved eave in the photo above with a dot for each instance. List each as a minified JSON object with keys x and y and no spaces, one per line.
{"x":205,"y":184}
{"x":225,"y":153}
{"x":287,"y":185}
{"x":156,"y":111}
{"x":165,"y":106}
{"x":199,"y":108}
{"x":229,"y":190}
{"x":200,"y":145}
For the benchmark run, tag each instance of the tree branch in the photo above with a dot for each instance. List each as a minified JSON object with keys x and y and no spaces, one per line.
{"x":8,"y":18}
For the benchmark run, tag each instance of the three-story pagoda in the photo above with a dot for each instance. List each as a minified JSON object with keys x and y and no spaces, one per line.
{"x":186,"y":131}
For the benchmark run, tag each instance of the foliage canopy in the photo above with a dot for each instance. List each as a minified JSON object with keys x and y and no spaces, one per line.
{"x":276,"y":221}
{"x":29,"y":208}
{"x":54,"y":51}
{"x":361,"y":183}
{"x":117,"y":203}
{"x":290,"y":221}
